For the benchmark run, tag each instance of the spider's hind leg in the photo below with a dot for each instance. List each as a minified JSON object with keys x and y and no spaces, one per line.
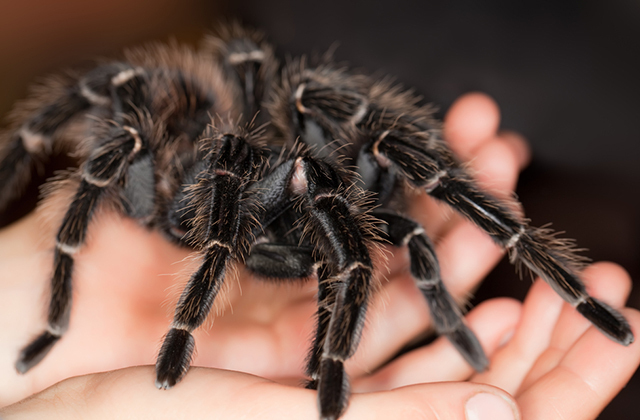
{"x":250,"y":62}
{"x":35,"y":133}
{"x":425,"y":269}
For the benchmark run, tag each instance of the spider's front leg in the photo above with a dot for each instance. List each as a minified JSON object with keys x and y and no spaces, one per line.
{"x":218,"y":232}
{"x":343,"y":234}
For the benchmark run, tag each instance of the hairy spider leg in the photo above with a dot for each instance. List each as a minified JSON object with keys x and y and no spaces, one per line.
{"x":233,"y":164}
{"x":105,"y":167}
{"x":100,"y":175}
{"x":342,"y":233}
{"x":249,"y":60}
{"x":401,"y":231}
{"x":124,"y":88}
{"x":538,"y":249}
{"x":33,"y":139}
{"x":336,"y":229}
{"x":326,"y":302}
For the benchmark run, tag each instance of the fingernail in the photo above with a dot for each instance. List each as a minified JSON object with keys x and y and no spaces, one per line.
{"x":486,"y":406}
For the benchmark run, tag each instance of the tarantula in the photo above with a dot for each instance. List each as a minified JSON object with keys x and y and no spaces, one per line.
{"x":167,"y":133}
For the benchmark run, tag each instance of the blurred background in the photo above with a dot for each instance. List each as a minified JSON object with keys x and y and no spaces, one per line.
{"x":564,"y":72}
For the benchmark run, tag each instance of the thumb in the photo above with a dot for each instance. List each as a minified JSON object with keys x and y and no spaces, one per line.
{"x":436,"y":401}
{"x":204,"y":393}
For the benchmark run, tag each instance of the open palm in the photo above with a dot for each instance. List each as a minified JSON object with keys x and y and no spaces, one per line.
{"x":128,"y":280}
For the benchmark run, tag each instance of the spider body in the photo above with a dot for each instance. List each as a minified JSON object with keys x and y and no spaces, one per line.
{"x":165,"y":134}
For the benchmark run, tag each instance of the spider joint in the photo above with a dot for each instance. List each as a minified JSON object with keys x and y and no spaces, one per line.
{"x":136,"y":137}
{"x":513,"y":241}
{"x":434,"y":182}
{"x":66,"y":248}
{"x":91,"y":96}
{"x":98,"y":182}
{"x":33,"y":142}
{"x":241,"y":57}
{"x":298,"y":96}
{"x":419,"y":230}
{"x":126,"y":75}
{"x":215,"y":243}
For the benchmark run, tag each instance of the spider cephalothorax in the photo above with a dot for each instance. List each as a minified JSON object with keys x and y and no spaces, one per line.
{"x":166,"y":134}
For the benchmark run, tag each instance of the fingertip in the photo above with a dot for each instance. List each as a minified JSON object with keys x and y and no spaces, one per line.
{"x":587,"y":378}
{"x":451,"y":400}
{"x":519,"y":146}
{"x":493,"y":322}
{"x":486,"y":405}
{"x":609,"y":282}
{"x":472,"y":119}
{"x":503,"y":310}
{"x":496,"y":167}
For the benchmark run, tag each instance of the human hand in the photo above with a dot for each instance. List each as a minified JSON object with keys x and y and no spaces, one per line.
{"x":557,"y":366}
{"x":125,"y":287}
{"x":277,"y":319}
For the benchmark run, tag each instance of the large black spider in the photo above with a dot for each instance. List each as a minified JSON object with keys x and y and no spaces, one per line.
{"x":167,"y":134}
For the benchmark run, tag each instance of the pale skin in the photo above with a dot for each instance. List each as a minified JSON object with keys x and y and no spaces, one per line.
{"x":547,"y":362}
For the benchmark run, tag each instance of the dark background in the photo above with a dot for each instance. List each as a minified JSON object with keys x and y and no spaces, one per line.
{"x":565,"y":74}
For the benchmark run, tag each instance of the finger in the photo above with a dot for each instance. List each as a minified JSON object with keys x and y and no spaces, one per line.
{"x":605,"y":281}
{"x":452,"y":401}
{"x":593,"y":371}
{"x":511,"y":364}
{"x":25,"y":266}
{"x":472,"y":120}
{"x":495,"y":169}
{"x":129,"y":393}
{"x":492,"y":321}
{"x":466,"y":255}
{"x":519,"y":145}
{"x":465,"y":243}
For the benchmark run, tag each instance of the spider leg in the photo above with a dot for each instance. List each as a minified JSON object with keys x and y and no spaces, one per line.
{"x":434,"y":170}
{"x":248,"y":60}
{"x":281,"y":261}
{"x":99,"y":175}
{"x":326,"y":302}
{"x":425,"y":269}
{"x":220,"y":235}
{"x":33,"y":138}
{"x":341,"y":234}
